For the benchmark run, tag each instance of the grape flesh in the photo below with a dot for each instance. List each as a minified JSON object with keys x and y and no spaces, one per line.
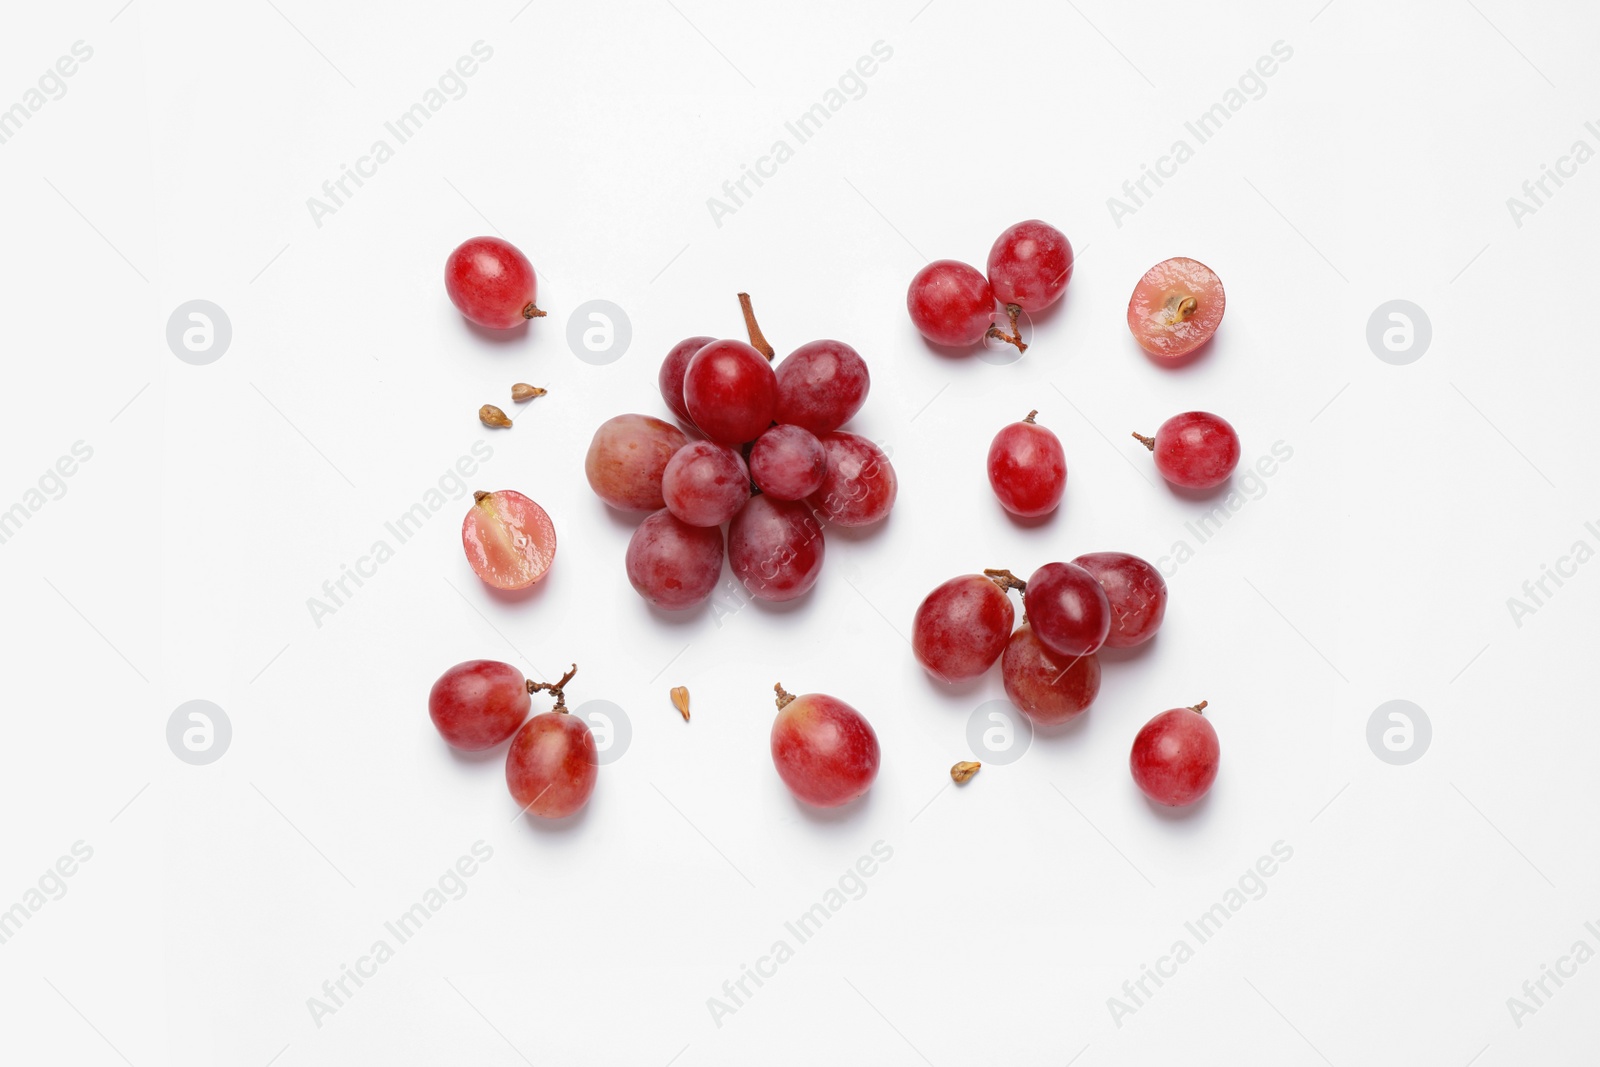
{"x":821,"y":385}
{"x":705,"y":484}
{"x":1175,"y":757}
{"x":478,"y":704}
{"x":1030,"y":265}
{"x":491,"y":283}
{"x":671,"y":377}
{"x":788,"y":462}
{"x":1068,"y":609}
{"x":628,"y":456}
{"x":950,"y":303}
{"x":775,"y":548}
{"x":731,"y":392}
{"x":961,"y":628}
{"x":825,"y":751}
{"x":1176,"y":307}
{"x":1047,"y":687}
{"x":552,"y":765}
{"x":1027,"y":469}
{"x":672,"y":564}
{"x":860,"y":486}
{"x":509,"y":540}
{"x":1196,"y":450}
{"x":1137,"y":594}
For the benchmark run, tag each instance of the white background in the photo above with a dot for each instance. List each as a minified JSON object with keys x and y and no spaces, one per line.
{"x":1375,"y":565}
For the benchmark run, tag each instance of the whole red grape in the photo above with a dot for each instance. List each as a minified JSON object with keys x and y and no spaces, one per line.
{"x":1136,"y":591}
{"x":821,"y":385}
{"x":731,"y":392}
{"x":788,"y":462}
{"x":775,"y":548}
{"x":671,"y":376}
{"x":950,"y":303}
{"x":1068,"y":609}
{"x":705,"y":484}
{"x":860,"y":486}
{"x":1030,"y":265}
{"x":1176,"y":307}
{"x":961,"y":627}
{"x":1047,"y":687}
{"x":1195,"y":450}
{"x":509,"y":540}
{"x":672,"y":564}
{"x":1175,"y":757}
{"x":552,"y":765}
{"x":491,"y":283}
{"x":627,"y":458}
{"x":1027,"y":468}
{"x":825,"y":751}
{"x":478,"y":704}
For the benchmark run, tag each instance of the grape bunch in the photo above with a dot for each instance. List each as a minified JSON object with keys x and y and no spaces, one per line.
{"x":770,"y":460}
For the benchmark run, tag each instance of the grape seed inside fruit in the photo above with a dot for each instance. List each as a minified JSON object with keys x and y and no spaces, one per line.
{"x":509,"y":540}
{"x":1176,"y":307}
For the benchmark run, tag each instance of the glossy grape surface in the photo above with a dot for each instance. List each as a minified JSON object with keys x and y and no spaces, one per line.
{"x":672,"y":564}
{"x":821,"y":385}
{"x":1197,"y":450}
{"x":950,"y":303}
{"x":825,"y":751}
{"x":1030,"y":265}
{"x":860,"y":485}
{"x":775,"y":548}
{"x":788,"y":462}
{"x":731,"y":392}
{"x":673,"y":367}
{"x":1175,"y":757}
{"x":491,"y":283}
{"x":552,"y":765}
{"x":1137,"y":594}
{"x":1046,"y":686}
{"x":961,"y":627}
{"x":1027,"y":469}
{"x":1176,"y":307}
{"x":628,"y":456}
{"x":478,"y":704}
{"x":705,"y":484}
{"x":1068,"y":609}
{"x":509,"y":540}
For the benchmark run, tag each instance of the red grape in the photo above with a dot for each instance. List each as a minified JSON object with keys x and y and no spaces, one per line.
{"x":627,"y":458}
{"x":491,"y":283}
{"x":1047,"y":687}
{"x":950,"y":303}
{"x":1195,"y":450}
{"x":553,"y":761}
{"x":1137,"y":594}
{"x":860,"y":486}
{"x":821,"y":385}
{"x":509,"y":540}
{"x":1030,"y":265}
{"x":1176,"y":307}
{"x":775,"y":547}
{"x":961,"y":627}
{"x":731,"y":392}
{"x":788,"y":462}
{"x":1175,"y":757}
{"x":1027,"y":468}
{"x":1068,"y":609}
{"x":672,"y":564}
{"x":671,"y":376}
{"x":705,"y":484}
{"x":478,"y":704}
{"x":825,"y":751}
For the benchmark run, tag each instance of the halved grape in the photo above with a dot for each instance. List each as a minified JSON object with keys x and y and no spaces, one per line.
{"x":509,"y":540}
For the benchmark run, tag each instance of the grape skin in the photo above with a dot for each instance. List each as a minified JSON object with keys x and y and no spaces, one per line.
{"x":961,"y":627}
{"x":860,"y":486}
{"x":673,"y":367}
{"x":1030,"y":265}
{"x":1047,"y":687}
{"x":788,"y":462}
{"x":705,"y":484}
{"x":821,"y":385}
{"x":775,"y":547}
{"x":672,"y":564}
{"x":825,"y":751}
{"x":552,"y":765}
{"x":491,"y":283}
{"x":731,"y":392}
{"x":478,"y":704}
{"x":1136,"y":591}
{"x":626,"y":459}
{"x":950,"y":303}
{"x":1175,"y":757}
{"x":1068,"y":609}
{"x":1027,"y":469}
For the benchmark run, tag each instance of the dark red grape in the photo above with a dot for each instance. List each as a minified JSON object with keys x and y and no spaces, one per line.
{"x":491,"y":283}
{"x":478,"y":704}
{"x":1047,"y":687}
{"x":1030,"y":265}
{"x":821,"y":385}
{"x":672,"y":564}
{"x":1175,"y":757}
{"x":860,"y":486}
{"x":950,"y":303}
{"x":705,"y":484}
{"x":788,"y":462}
{"x":825,"y":751}
{"x":961,"y":627}
{"x":671,"y":376}
{"x":627,"y":458}
{"x":1137,"y":594}
{"x":775,"y":548}
{"x":1027,"y":468}
{"x":1068,"y":609}
{"x":1195,"y":450}
{"x":730,"y":391}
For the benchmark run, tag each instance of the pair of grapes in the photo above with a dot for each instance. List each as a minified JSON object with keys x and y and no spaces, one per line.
{"x":774,"y":465}
{"x":1029,"y":267}
{"x":552,"y":763}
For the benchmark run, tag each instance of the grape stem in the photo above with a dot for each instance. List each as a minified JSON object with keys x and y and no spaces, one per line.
{"x":757,"y":340}
{"x":785,"y":698}
{"x":479,"y":497}
{"x":1200,"y":708}
{"x":557,"y":689}
{"x":1148,"y":442}
{"x":1031,"y":415}
{"x":1013,"y":312}
{"x":532,"y":312}
{"x":1005,"y":580}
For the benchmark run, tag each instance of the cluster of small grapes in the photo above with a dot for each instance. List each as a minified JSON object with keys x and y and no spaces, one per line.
{"x":773,"y":464}
{"x":1029,"y":267}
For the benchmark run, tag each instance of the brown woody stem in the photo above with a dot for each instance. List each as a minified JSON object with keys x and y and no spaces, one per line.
{"x":1031,"y":415}
{"x":1200,"y":708}
{"x":532,"y":312}
{"x":558,"y":689}
{"x":479,"y":497}
{"x":785,"y":698}
{"x":1005,"y":580}
{"x":757,"y":340}
{"x":1013,"y":312}
{"x":1148,"y":442}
